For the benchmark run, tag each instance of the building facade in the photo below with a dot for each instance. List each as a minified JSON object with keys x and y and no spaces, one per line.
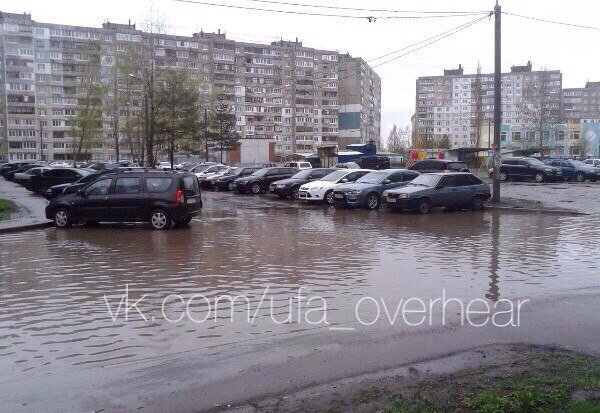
{"x":282,"y":92}
{"x":459,"y":108}
{"x":360,"y":103}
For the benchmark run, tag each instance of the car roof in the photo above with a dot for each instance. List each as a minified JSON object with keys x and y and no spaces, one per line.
{"x":448,"y":173}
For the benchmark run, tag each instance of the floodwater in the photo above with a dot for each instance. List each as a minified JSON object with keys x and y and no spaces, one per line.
{"x":55,"y":284}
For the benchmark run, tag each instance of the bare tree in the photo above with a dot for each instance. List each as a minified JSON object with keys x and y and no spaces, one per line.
{"x":540,"y":108}
{"x":477,"y":98}
{"x":87,"y":124}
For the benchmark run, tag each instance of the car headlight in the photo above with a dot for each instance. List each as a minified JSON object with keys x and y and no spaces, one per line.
{"x":317,"y":188}
{"x":403,"y":196}
{"x":548,"y":170}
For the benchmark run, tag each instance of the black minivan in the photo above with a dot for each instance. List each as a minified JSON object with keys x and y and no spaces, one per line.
{"x":158,"y":197}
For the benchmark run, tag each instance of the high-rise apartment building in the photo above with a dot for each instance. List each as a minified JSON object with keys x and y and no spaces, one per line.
{"x":283,"y":91}
{"x":360,"y":102}
{"x":460,"y":107}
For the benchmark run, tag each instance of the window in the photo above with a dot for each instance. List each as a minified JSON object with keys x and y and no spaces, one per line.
{"x":445,"y":182}
{"x":397,"y":177}
{"x":502,"y":136}
{"x":516,"y":136}
{"x":127,"y":186}
{"x":155,"y":185}
{"x":190,"y":183}
{"x":462,"y":180}
{"x":99,"y":188}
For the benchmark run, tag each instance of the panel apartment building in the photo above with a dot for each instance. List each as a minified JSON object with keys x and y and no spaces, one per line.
{"x":461,"y":107}
{"x":448,"y":105}
{"x":283,"y":92}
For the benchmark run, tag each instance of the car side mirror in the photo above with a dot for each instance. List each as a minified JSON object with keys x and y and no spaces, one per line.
{"x":344,"y":180}
{"x":81,"y":193}
{"x":440,"y":187}
{"x":387,"y":181}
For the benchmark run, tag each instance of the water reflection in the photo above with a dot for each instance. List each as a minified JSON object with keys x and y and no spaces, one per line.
{"x":52,"y":282}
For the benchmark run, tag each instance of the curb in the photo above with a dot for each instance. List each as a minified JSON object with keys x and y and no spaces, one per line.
{"x":26,"y":227}
{"x":537,"y":210}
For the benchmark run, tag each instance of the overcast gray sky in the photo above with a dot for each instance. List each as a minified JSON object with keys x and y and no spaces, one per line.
{"x":575,"y":51}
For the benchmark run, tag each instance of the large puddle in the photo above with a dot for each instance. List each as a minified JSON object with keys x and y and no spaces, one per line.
{"x":53,"y":313}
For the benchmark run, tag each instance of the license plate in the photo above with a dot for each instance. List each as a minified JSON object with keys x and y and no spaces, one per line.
{"x":392,"y":200}
{"x":339,"y":195}
{"x":191,"y":201}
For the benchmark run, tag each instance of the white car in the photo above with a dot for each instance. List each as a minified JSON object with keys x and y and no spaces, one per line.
{"x":299,"y":165}
{"x":209,"y":171}
{"x":59,"y":164}
{"x":165,"y":166}
{"x":322,"y":190}
{"x":592,"y":162}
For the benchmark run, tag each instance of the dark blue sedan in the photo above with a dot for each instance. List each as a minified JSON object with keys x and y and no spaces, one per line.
{"x":366,"y":192}
{"x":576,"y":170}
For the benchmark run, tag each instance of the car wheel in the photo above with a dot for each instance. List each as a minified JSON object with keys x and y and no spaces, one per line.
{"x":539,"y":177}
{"x":424,"y":206}
{"x":295,"y":192}
{"x":503,"y":177}
{"x":255,"y":188}
{"x":580,"y":177}
{"x":329,"y":197}
{"x":62,"y":218}
{"x":372,"y":202}
{"x":230,"y":186}
{"x":160,"y":219}
{"x":477,"y":203}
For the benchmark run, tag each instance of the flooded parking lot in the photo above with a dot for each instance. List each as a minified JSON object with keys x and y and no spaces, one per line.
{"x":59,"y":290}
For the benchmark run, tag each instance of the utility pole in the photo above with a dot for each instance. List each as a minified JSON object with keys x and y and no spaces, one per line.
{"x":497,"y":104}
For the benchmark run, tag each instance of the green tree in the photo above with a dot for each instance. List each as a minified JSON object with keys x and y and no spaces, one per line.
{"x":179,"y":102}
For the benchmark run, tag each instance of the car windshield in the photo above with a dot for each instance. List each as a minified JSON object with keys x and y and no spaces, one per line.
{"x":537,"y":162}
{"x":303,"y":174}
{"x":231,"y":171}
{"x":334,"y":176}
{"x":372,"y":178}
{"x":201,"y":168}
{"x":425,"y":180}
{"x":577,"y":163}
{"x":84,"y":172}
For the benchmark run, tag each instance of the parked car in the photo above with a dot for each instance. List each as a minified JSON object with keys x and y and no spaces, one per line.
{"x":22,"y":178}
{"x":211,"y":172}
{"x":12,"y":166}
{"x":225,"y":182}
{"x":55,"y":176}
{"x":347,"y":165}
{"x":527,"y":168}
{"x":103,"y":166}
{"x":69,"y":188}
{"x":261,"y":180}
{"x":10,"y":175}
{"x":439,"y":165}
{"x":290,"y":187}
{"x":322,"y":190}
{"x":299,"y":165}
{"x":201,"y":167}
{"x":160,"y":198}
{"x":375,"y":162}
{"x":60,"y":164}
{"x":576,"y":170}
{"x":366,"y":192}
{"x":454,"y":190}
{"x":592,"y":162}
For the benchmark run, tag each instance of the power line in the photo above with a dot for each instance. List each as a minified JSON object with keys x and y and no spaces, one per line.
{"x":581,"y":26}
{"x":305,"y":13}
{"x":465,"y":26}
{"x":428,"y":41}
{"x":318,"y":6}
